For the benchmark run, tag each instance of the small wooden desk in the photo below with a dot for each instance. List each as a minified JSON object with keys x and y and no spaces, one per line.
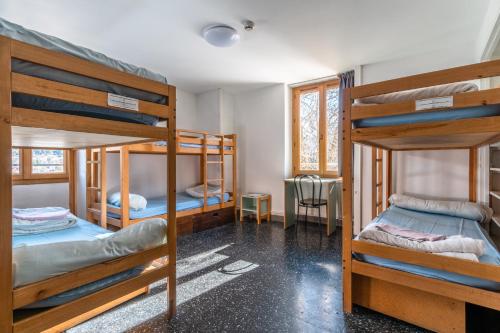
{"x":332,"y":191}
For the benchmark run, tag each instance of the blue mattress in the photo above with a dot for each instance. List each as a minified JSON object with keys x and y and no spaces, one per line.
{"x":423,"y":117}
{"x":83,"y":230}
{"x":437,"y":224}
{"x":77,"y":109}
{"x":158,"y":206}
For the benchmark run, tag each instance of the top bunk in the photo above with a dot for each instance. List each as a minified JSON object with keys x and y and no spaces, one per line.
{"x":435,"y":110}
{"x":188,"y":142}
{"x":67,"y":96}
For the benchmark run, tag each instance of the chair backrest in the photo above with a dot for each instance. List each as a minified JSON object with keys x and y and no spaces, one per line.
{"x":302,"y":182}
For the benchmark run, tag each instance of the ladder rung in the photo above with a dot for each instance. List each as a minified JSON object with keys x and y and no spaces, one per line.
{"x":93,"y":162}
{"x":378,"y":160}
{"x":93,"y":188}
{"x":215,"y":162}
{"x":215,"y":180}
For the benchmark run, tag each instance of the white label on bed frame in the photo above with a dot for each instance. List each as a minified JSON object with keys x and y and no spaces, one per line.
{"x":123,"y":102}
{"x":434,"y":103}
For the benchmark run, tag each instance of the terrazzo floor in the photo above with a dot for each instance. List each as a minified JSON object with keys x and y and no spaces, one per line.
{"x":250,"y":278}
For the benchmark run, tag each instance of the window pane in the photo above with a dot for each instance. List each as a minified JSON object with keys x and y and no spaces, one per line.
{"x":309,"y":131}
{"x":332,"y":116}
{"x":47,"y":161}
{"x":16,"y":168}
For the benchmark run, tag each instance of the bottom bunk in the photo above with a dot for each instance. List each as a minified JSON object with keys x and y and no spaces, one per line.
{"x":158,"y":205}
{"x":50,"y":244}
{"x":192,"y":215}
{"x":432,"y":298}
{"x":442,"y":225}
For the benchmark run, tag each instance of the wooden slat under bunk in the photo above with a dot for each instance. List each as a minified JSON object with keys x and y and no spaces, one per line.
{"x":97,"y":209}
{"x":33,"y":128}
{"x":433,"y":304}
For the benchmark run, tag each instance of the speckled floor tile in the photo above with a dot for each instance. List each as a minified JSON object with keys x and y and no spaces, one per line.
{"x":250,"y":278}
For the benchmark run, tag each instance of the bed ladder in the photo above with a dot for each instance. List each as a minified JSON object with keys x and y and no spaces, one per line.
{"x":218,"y":162}
{"x":378,"y":180}
{"x":96,"y":197}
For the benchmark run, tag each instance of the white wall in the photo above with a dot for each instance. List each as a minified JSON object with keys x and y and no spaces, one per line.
{"x":260,"y":118}
{"x":40,"y":195}
{"x":208,"y":116}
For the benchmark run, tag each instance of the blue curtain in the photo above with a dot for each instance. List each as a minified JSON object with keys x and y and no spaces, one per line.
{"x":346,"y":81}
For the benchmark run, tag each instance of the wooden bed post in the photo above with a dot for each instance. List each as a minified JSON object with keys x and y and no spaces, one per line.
{"x":377,"y":181}
{"x":125,"y":186}
{"x":222,"y":172}
{"x":235,"y":177}
{"x":347,"y":202}
{"x":72,"y":180}
{"x":388,"y":189}
{"x":88,"y":183}
{"x":171,"y":186}
{"x":6,"y":313}
{"x":473,"y":174}
{"x":104,"y":190}
{"x":205,"y":172}
{"x":374,"y":182}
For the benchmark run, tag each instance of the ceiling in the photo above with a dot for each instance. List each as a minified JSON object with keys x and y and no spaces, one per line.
{"x":293,"y":41}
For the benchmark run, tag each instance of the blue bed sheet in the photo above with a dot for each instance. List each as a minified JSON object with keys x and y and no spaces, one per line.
{"x":83,"y":230}
{"x":437,"y":224}
{"x":422,"y":117}
{"x":158,"y":206}
{"x":193,"y":145}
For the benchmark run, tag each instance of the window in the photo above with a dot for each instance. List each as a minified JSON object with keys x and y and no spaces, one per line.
{"x":16,"y":162}
{"x":315,"y":129}
{"x":35,"y":166}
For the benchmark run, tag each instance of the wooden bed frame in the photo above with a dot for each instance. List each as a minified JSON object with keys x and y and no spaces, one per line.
{"x":33,"y":128}
{"x":97,"y":209}
{"x":430,"y":303}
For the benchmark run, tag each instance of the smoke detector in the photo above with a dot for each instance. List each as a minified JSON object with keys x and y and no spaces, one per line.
{"x":248,"y":25}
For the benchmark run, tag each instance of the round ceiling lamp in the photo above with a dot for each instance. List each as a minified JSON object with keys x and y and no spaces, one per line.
{"x":221,"y":35}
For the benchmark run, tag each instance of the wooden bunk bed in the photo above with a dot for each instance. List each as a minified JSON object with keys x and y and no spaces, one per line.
{"x":432,"y":303}
{"x":30,"y":127}
{"x":211,"y":149}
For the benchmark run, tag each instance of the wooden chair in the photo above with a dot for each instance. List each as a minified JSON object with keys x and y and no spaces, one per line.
{"x":306,"y":201}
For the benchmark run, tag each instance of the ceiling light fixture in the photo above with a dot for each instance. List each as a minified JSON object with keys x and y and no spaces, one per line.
{"x":221,"y":35}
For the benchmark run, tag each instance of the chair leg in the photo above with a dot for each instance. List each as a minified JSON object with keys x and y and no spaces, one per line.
{"x":305,"y":221}
{"x":297,"y":220}
{"x":319,"y":223}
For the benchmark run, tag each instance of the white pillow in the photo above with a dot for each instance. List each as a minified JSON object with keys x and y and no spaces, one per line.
{"x":197,"y":191}
{"x":136,"y":201}
{"x":463,"y":209}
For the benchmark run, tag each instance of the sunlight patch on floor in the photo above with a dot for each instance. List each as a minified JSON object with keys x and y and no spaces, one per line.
{"x":200,"y":261}
{"x":155,"y":304}
{"x":214,"y":279}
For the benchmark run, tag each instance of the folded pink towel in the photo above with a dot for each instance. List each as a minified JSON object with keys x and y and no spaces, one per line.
{"x":39,"y":214}
{"x":409,"y":234}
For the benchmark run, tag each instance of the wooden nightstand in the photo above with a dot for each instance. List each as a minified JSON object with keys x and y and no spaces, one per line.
{"x":256,"y":203}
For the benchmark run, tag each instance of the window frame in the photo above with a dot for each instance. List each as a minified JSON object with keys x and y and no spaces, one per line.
{"x":26,"y":175}
{"x":321,"y":87}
